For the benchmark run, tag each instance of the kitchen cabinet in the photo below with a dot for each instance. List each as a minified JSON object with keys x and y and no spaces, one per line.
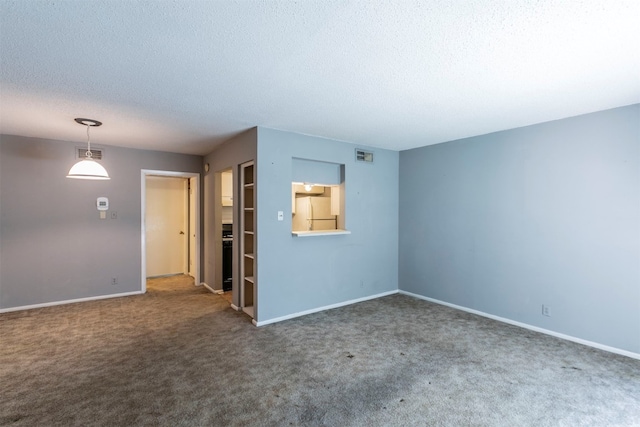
{"x":313,"y":189}
{"x":227,"y":188}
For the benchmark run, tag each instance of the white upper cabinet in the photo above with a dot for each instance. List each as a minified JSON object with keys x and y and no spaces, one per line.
{"x":227,"y":188}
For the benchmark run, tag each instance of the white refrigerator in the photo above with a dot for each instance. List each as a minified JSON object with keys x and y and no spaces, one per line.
{"x":313,"y":213}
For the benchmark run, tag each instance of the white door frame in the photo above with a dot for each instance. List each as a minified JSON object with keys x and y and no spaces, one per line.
{"x":193,"y":230}
{"x":143,"y":202}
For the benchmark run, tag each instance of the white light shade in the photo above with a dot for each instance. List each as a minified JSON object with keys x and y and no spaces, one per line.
{"x":88,"y":169}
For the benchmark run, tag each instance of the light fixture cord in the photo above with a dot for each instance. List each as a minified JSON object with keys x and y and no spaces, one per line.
{"x":89,"y":154}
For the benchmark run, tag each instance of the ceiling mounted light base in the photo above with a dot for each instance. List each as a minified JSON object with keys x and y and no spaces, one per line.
{"x":88,"y":122}
{"x":88,"y":168}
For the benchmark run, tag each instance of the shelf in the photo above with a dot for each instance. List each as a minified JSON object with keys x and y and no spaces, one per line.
{"x":319,"y":233}
{"x":248,"y":241}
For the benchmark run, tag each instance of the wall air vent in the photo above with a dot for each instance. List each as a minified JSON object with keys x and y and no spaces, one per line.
{"x":364,"y":156}
{"x":96,"y":153}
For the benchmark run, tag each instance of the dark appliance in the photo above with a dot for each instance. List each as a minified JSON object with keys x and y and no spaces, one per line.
{"x":227,"y":256}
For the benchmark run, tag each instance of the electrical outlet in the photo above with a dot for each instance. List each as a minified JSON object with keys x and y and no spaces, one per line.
{"x":546,"y":311}
{"x":114,"y":280}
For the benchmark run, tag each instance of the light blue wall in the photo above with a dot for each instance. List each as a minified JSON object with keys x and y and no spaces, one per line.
{"x":501,"y":223}
{"x":297,"y":274}
{"x":546,"y":214}
{"x":54,"y":246}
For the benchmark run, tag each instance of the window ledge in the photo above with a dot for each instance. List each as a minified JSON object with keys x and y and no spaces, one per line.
{"x":319,"y":233}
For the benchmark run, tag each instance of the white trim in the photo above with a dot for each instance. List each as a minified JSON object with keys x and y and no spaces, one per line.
{"x":208,"y":287}
{"x":530,"y":327}
{"x":70,"y":301}
{"x":326,"y":307}
{"x":235,"y":307}
{"x":143,"y":196}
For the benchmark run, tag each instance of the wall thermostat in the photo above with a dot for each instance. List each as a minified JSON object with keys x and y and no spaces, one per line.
{"x":102,"y":203}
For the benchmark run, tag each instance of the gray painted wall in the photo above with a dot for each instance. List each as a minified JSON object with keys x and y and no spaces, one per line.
{"x":231,"y":154}
{"x":297,"y":274}
{"x":546,"y":214}
{"x":54,"y":246}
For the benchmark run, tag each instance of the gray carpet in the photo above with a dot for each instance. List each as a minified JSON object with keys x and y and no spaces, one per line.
{"x":179,"y":356}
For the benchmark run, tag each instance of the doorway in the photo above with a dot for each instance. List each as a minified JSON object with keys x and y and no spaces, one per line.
{"x":170,"y":217}
{"x":224,"y":232}
{"x":168,"y":235}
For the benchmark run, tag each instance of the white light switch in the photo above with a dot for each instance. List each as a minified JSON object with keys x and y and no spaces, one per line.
{"x":280,"y":216}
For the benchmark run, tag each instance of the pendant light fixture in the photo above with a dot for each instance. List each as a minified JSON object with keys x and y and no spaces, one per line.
{"x":88,"y":168}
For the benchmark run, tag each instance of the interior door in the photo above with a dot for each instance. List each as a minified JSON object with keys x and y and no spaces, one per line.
{"x":165,"y":218}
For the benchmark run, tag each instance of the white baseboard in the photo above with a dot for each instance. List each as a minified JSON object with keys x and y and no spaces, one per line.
{"x":530,"y":327}
{"x":71,"y":301}
{"x":235,"y":307}
{"x":219,"y":291}
{"x":326,"y":307}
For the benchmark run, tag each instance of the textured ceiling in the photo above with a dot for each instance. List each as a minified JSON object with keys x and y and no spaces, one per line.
{"x":184,"y":76}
